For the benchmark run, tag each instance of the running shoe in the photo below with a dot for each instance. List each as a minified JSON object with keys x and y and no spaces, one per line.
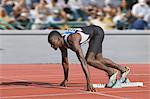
{"x":123,"y":76}
{"x":112,"y":80}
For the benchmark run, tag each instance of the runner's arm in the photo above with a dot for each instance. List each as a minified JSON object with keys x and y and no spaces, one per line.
{"x":65,"y":65}
{"x":75,"y":45}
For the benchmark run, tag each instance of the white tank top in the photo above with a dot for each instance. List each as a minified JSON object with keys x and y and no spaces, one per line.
{"x":84,"y":37}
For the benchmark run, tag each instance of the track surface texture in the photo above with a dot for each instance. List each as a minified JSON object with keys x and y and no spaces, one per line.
{"x":41,"y":81}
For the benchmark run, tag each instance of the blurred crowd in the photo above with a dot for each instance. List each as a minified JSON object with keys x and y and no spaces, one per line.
{"x":60,"y":14}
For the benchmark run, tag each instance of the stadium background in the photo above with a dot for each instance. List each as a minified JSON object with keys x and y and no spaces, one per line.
{"x":25,"y":25}
{"x":64,"y":14}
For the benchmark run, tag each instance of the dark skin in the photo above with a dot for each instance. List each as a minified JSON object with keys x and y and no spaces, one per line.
{"x":92,"y":59}
{"x":74,"y":41}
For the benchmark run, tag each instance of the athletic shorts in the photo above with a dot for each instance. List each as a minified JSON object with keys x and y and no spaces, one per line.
{"x":96,"y":38}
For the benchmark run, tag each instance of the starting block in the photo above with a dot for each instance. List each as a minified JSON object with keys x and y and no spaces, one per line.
{"x":118,"y":84}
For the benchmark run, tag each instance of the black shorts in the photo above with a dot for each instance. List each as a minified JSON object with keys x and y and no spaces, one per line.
{"x":96,"y":38}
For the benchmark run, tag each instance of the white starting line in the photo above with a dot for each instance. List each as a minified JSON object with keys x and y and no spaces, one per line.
{"x":123,"y":85}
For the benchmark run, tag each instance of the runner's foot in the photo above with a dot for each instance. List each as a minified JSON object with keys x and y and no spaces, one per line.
{"x":112,"y":80}
{"x":123,"y":76}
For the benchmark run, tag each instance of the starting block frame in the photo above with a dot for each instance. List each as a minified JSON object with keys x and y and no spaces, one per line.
{"x":118,"y":84}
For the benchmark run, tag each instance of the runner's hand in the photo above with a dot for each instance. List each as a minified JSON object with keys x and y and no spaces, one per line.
{"x":63,"y":83}
{"x":90,"y":88}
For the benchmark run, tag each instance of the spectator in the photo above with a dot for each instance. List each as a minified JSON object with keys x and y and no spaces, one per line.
{"x":119,"y":20}
{"x":68,"y":11}
{"x":56,"y":21}
{"x":18,"y":8}
{"x":129,"y":19}
{"x":108,"y":21}
{"x":24,"y":18}
{"x":4,"y":16}
{"x":8,"y":5}
{"x":42,"y":12}
{"x":140,"y":7}
{"x":97,"y":17}
{"x":5,"y":20}
{"x":55,"y":7}
{"x":123,"y":6}
{"x":140,"y":23}
{"x":21,"y":14}
{"x":32,"y":11}
{"x":77,"y":8}
{"x":92,"y":11}
{"x":109,"y":8}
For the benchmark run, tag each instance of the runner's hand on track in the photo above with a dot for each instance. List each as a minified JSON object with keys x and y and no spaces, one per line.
{"x":63,"y":83}
{"x":90,"y":88}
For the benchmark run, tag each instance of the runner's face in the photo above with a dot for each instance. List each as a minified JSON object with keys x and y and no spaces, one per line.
{"x":55,"y":43}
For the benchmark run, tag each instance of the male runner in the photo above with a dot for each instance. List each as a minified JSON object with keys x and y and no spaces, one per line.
{"x":73,"y":39}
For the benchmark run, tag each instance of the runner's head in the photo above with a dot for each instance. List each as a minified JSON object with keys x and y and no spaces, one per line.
{"x":55,"y":39}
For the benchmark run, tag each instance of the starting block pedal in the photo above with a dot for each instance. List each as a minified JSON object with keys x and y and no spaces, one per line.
{"x":118,"y":84}
{"x":132,"y":84}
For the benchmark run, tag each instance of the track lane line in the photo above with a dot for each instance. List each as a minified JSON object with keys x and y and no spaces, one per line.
{"x":41,"y":95}
{"x":81,"y":91}
{"x":71,"y":75}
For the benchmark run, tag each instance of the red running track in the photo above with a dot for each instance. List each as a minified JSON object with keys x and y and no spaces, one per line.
{"x":41,"y":81}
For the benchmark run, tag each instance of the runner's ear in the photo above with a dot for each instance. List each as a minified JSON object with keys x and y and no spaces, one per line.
{"x":59,"y":38}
